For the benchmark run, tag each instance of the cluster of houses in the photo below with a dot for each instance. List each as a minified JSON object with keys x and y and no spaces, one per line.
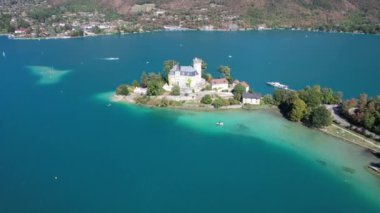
{"x":190,"y":81}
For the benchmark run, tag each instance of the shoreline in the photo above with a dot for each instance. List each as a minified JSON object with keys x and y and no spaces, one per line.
{"x":365,"y":143}
{"x":11,"y":36}
{"x":189,"y":107}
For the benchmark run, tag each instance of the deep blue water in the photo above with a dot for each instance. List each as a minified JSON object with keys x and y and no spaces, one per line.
{"x":118,"y":160}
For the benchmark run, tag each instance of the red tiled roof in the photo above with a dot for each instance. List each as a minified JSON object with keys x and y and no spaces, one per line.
{"x":219,"y":81}
{"x":244,"y":84}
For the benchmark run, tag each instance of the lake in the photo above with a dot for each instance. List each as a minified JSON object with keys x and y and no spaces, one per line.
{"x":63,"y":149}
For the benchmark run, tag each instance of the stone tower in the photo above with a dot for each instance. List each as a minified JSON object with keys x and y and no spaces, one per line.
{"x":197,"y":64}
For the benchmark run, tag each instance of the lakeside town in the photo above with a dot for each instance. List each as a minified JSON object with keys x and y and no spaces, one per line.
{"x":42,"y":19}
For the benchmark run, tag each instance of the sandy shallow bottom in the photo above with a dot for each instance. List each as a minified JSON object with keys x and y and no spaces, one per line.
{"x":344,"y":161}
{"x":48,"y":75}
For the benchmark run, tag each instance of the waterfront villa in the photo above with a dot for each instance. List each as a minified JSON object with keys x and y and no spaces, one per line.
{"x":219,"y":84}
{"x":249,"y":98}
{"x":187,"y":76}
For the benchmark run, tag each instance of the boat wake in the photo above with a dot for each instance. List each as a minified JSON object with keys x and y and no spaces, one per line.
{"x":110,"y":59}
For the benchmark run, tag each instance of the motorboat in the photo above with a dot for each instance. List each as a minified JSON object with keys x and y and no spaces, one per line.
{"x":219,"y":123}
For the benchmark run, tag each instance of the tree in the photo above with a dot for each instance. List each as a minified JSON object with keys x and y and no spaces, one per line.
{"x":219,"y":102}
{"x":338,"y":96}
{"x":298,"y":110}
{"x":205,"y":75}
{"x":176,"y":91}
{"x":122,"y":90}
{"x":320,"y":117}
{"x":281,"y":96}
{"x":225,"y":71}
{"x":144,"y":80}
{"x":267,"y":99}
{"x":328,"y":96}
{"x":311,"y":96}
{"x":347,"y":105}
{"x":154,"y":84}
{"x":188,"y":82}
{"x":363,"y":99}
{"x":206,"y":99}
{"x":166,"y":67}
{"x":369,"y":120}
{"x":135,"y":83}
{"x":238,"y":91}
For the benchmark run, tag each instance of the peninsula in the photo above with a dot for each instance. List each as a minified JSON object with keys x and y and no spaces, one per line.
{"x":192,"y":87}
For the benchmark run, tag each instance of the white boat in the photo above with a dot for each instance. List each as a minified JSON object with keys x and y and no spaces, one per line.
{"x":219,"y":123}
{"x":3,"y":54}
{"x":278,"y":85}
{"x":375,"y":167}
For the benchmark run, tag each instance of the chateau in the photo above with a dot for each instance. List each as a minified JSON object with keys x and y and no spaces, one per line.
{"x":187,"y":76}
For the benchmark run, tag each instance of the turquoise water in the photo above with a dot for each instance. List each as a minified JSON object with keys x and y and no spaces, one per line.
{"x":63,"y":150}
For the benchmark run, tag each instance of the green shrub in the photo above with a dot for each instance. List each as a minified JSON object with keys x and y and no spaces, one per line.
{"x":206,"y":99}
{"x":176,"y":91}
{"x":122,"y":90}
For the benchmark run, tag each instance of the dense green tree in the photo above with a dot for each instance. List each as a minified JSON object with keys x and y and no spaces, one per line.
{"x":268,"y":99}
{"x":311,"y":96}
{"x":206,"y":99}
{"x":176,"y":91}
{"x":238,"y":92}
{"x":328,"y":96}
{"x":284,"y":96}
{"x":144,"y":80}
{"x":166,"y":67}
{"x":369,"y":120}
{"x":225,"y":71}
{"x":297,"y":110}
{"x":122,"y":90}
{"x":320,"y":117}
{"x":205,"y":75}
{"x":154,"y":84}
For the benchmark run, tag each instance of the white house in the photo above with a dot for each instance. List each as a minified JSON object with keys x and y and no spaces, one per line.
{"x":219,"y":84}
{"x":249,"y":98}
{"x":186,"y":76}
{"x":140,"y":91}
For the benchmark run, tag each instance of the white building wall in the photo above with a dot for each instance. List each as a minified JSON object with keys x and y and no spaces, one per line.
{"x":220,"y":87}
{"x":251,"y":101}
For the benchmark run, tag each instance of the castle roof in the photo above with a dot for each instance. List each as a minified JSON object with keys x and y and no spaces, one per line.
{"x":184,"y":70}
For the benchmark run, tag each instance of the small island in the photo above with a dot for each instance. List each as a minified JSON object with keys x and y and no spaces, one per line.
{"x":190,"y":87}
